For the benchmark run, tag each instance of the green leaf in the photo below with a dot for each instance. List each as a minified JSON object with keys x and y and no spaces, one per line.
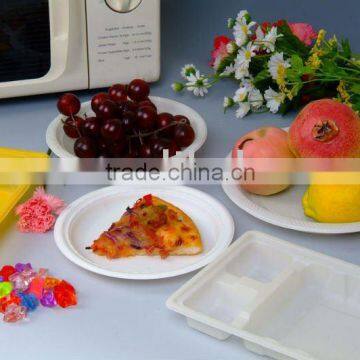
{"x":330,"y":68}
{"x":293,"y":75}
{"x":346,"y":48}
{"x":356,"y":102}
{"x":296,"y":88}
{"x":262,"y":80}
{"x":355,"y":88}
{"x":297,"y":63}
{"x":258,"y":63}
{"x":262,"y":75}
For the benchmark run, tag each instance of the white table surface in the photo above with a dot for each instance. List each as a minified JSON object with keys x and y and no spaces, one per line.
{"x":118,"y":319}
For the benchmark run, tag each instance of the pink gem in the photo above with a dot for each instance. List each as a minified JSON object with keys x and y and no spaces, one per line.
{"x":14,"y":313}
{"x":21,"y":281}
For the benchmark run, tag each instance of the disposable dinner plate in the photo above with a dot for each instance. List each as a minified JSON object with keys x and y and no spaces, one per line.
{"x":63,"y":147}
{"x":86,"y":218}
{"x":283,"y":209}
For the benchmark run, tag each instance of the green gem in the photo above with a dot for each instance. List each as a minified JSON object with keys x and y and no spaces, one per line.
{"x":5,"y":289}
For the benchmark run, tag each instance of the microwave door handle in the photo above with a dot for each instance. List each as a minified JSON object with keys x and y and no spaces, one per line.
{"x":60,"y":31}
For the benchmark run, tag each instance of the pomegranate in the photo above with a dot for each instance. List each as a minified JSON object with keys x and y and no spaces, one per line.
{"x":326,"y":129}
{"x":265,"y":143}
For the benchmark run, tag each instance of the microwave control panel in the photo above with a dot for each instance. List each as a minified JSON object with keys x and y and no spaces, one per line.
{"x":123,"y":41}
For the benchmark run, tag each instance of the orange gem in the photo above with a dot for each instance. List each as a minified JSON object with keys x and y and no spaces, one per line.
{"x":51,"y":282}
{"x":8,"y":300}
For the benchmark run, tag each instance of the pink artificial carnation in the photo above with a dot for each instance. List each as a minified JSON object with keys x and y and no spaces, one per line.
{"x":220,"y":51}
{"x":35,"y":206}
{"x":33,"y":224}
{"x":38,"y":214}
{"x":57,"y":205}
{"x":304,"y":32}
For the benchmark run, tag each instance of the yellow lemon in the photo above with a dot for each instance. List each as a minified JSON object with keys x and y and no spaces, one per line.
{"x":333,"y":203}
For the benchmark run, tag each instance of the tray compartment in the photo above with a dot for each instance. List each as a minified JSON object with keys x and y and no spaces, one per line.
{"x":223,"y":299}
{"x":259,"y":262}
{"x":318,"y":311}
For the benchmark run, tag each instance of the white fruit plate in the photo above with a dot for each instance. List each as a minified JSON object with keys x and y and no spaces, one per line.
{"x":84,"y":220}
{"x":283,"y":209}
{"x":63,"y":147}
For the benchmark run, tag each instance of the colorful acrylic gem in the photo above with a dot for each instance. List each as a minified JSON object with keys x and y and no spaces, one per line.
{"x":20,"y":282}
{"x":6,"y":272}
{"x":29,"y":301}
{"x":21,"y":267}
{"x":6,"y":288}
{"x":36,"y":287}
{"x":48,"y":299}
{"x":8,"y":300}
{"x":51,"y":282}
{"x":14,"y":313}
{"x":22,"y":289}
{"x":65,"y":294}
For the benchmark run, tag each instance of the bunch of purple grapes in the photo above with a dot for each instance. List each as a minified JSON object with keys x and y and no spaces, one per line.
{"x":127,"y":125}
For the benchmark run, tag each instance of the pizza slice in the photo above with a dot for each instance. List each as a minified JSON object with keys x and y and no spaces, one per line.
{"x":151,"y":227}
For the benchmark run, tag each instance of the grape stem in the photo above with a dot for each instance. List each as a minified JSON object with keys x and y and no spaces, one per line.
{"x":74,"y":122}
{"x":155,"y":132}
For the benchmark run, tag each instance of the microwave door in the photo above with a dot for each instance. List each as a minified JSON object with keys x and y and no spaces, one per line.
{"x":24,"y":40}
{"x":42,"y":46}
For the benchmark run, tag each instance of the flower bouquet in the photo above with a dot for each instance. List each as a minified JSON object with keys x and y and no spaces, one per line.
{"x":279,"y":67}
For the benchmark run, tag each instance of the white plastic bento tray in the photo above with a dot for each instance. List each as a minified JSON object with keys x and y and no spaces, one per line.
{"x":284,"y":301}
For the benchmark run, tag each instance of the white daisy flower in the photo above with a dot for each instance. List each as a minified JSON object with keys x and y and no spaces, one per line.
{"x":242,"y":16}
{"x":277,"y":66}
{"x":270,"y":39}
{"x":198,"y":84}
{"x":248,"y":83}
{"x":259,"y":38}
{"x":274,"y":100}
{"x":259,"y":34}
{"x":255,"y":98}
{"x":243,"y":110}
{"x":228,"y":102}
{"x":187,"y":70}
{"x":241,"y":70}
{"x":242,"y":61}
{"x":245,"y":54}
{"x":241,"y":95}
{"x":229,"y":70}
{"x":242,"y":32}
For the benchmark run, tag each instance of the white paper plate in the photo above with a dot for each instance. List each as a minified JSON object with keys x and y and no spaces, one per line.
{"x":85,"y":219}
{"x":63,"y":147}
{"x":284,"y":210}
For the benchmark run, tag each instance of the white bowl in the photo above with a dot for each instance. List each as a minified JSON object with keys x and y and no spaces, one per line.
{"x":63,"y":147}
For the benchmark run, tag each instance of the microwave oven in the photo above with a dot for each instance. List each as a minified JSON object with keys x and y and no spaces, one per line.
{"x":59,"y":45}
